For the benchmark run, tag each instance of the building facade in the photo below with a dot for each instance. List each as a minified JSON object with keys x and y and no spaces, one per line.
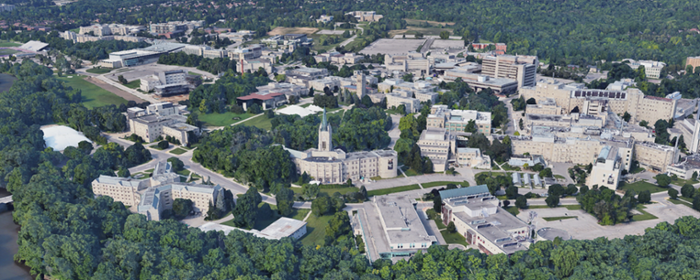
{"x":332,"y":166}
{"x":521,"y":68}
{"x":456,"y":120}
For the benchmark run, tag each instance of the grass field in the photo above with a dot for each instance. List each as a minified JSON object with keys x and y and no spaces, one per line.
{"x":393,"y":190}
{"x":559,"y":177}
{"x":292,"y":30}
{"x":330,"y":192}
{"x":133,"y":84}
{"x":259,"y":122}
{"x":444,"y":183}
{"x":643,"y":186}
{"x":8,"y":44}
{"x":99,"y":70}
{"x":644,"y":216}
{"x":513,"y":210}
{"x":7,"y":51}
{"x":216,"y":119}
{"x":93,"y":96}
{"x":178,"y":151}
{"x":549,"y":219}
{"x":681,"y":182}
{"x":453,"y":238}
{"x":193,"y":73}
{"x":315,"y":230}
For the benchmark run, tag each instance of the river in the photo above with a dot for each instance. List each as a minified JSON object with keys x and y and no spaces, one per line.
{"x":6,"y":82}
{"x":9,"y":269}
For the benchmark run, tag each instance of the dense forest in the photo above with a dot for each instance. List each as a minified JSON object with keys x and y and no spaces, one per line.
{"x":565,"y":32}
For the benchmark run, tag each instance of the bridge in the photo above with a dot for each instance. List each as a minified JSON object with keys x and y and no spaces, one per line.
{"x":7,"y":199}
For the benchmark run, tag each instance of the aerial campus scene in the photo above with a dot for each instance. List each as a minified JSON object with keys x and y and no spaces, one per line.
{"x":424,"y":139}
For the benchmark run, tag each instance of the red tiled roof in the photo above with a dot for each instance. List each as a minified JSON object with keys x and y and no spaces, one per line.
{"x":260,"y":97}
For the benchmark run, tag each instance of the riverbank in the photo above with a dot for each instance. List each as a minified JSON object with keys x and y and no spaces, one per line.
{"x":8,"y":247}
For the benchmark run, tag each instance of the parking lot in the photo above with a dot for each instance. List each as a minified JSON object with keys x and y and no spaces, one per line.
{"x":447,"y":44}
{"x":393,"y":46}
{"x":586,"y":226}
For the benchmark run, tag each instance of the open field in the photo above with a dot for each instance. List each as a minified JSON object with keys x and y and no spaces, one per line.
{"x":113,"y":89}
{"x":8,"y":51}
{"x":643,"y":186}
{"x":412,"y":30}
{"x":259,"y":122}
{"x":393,"y":46}
{"x":99,"y":70}
{"x":8,"y":44}
{"x":315,"y":230}
{"x":133,"y":84}
{"x":216,"y":119}
{"x":92,"y":95}
{"x":292,"y":30}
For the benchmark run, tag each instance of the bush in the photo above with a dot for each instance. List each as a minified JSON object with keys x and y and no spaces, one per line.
{"x":521,"y":202}
{"x":673,"y":193}
{"x":644,"y":197}
{"x":182,"y":208}
{"x":163,"y":144}
{"x":688,"y":191}
{"x":506,"y":203}
{"x":451,"y":227}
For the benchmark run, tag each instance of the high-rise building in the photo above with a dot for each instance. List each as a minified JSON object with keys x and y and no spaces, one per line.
{"x":520,"y":68}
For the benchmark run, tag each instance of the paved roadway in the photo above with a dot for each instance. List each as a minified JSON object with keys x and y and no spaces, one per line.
{"x":349,"y":40}
{"x":197,"y":168}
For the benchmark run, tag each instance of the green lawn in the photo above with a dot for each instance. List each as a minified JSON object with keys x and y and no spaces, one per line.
{"x":513,"y":210}
{"x":193,"y":73}
{"x":644,"y":216}
{"x":681,"y":182}
{"x":677,"y":201}
{"x":315,"y":230}
{"x":156,"y":147}
{"x":549,"y":219}
{"x":133,"y":84}
{"x":643,"y":186}
{"x":410,"y":172}
{"x":559,"y":177}
{"x":444,"y":183}
{"x":393,"y":190}
{"x":637,"y":170}
{"x":573,"y":207}
{"x":259,"y":122}
{"x":99,"y":70}
{"x":7,"y":51}
{"x":331,"y":191}
{"x":92,"y":95}
{"x":454,"y":238}
{"x":178,"y":151}
{"x":216,"y":119}
{"x":8,"y":44}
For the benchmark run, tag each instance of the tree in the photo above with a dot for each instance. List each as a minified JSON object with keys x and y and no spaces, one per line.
{"x":673,"y":193}
{"x":663,"y":180}
{"x":451,"y":227}
{"x":124,"y":172}
{"x":444,"y":35}
{"x":626,"y":116}
{"x":552,"y":201}
{"x":247,"y":209}
{"x":122,"y":80}
{"x":694,"y":176}
{"x":285,"y":201}
{"x":506,"y":203}
{"x":182,"y":208}
{"x":437,"y":203}
{"x":644,"y":197}
{"x":471,"y":127}
{"x":643,"y":123}
{"x":512,"y":192}
{"x":310,"y":191}
{"x":688,"y":191}
{"x":531,"y":101}
{"x":321,"y":205}
{"x":521,"y":202}
{"x":363,"y":191}
{"x":556,"y":190}
{"x":546,"y":173}
{"x":176,"y":163}
{"x":338,"y":225}
{"x":408,"y":77}
{"x":696,"y":202}
{"x":163,"y":145}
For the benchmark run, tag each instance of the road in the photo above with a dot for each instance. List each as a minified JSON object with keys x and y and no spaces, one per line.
{"x":197,"y":168}
{"x":427,"y":44}
{"x":346,"y":42}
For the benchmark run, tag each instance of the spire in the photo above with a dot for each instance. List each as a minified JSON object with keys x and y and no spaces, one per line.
{"x":324,"y":122}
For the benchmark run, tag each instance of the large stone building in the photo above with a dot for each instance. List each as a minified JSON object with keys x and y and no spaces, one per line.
{"x":438,"y":145}
{"x":575,"y":97}
{"x":332,"y":166}
{"x":521,"y":68}
{"x":169,"y":83}
{"x":412,"y":62}
{"x":478,"y":217}
{"x":456,"y":120}
{"x":101,"y":30}
{"x":652,"y":68}
{"x":153,"y":195}
{"x":609,"y":164}
{"x":365,"y":15}
{"x":160,"y":120}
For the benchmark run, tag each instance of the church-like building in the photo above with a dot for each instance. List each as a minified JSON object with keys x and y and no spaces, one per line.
{"x":331,"y":166}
